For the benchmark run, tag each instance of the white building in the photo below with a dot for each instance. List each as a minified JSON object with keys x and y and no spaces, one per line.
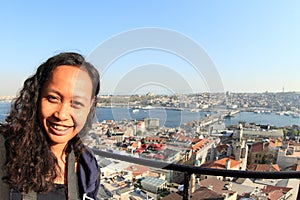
{"x":287,"y":158}
{"x":153,"y":184}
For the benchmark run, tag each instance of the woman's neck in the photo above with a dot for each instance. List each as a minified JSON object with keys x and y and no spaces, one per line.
{"x":59,"y":151}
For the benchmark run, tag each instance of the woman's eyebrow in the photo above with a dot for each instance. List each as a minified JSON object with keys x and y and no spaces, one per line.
{"x":81,"y":97}
{"x":53,"y":90}
{"x":76,"y":96}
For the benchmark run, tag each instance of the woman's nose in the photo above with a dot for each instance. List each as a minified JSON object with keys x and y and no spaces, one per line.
{"x":63,"y":111}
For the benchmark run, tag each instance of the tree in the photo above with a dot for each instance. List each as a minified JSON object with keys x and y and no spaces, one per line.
{"x":139,"y":133}
{"x":284,"y":132}
{"x":294,"y":132}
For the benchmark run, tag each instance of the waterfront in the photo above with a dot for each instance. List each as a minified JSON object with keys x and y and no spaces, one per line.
{"x":167,"y":117}
{"x":4,"y":109}
{"x":272,"y":119}
{"x":174,"y":118}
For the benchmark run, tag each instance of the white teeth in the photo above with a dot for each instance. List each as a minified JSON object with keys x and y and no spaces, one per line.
{"x":60,"y":128}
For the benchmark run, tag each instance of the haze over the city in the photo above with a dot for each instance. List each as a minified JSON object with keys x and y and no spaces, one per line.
{"x":252,"y":46}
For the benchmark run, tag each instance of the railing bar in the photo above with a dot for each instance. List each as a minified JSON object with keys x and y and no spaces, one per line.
{"x":186,"y":187}
{"x":200,"y":170}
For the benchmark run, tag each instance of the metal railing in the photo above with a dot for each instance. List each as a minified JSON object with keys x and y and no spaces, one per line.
{"x":188,"y":170}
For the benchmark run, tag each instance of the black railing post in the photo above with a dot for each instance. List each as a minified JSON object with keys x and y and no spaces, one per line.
{"x":189,"y":170}
{"x":186,"y":186}
{"x":199,"y":170}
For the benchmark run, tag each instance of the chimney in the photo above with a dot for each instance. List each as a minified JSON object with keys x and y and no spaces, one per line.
{"x":228,"y":186}
{"x":271,"y":167}
{"x":210,"y":187}
{"x":193,"y":183}
{"x":227,"y":165}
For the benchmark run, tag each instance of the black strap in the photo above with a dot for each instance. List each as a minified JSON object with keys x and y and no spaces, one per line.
{"x":72,"y":178}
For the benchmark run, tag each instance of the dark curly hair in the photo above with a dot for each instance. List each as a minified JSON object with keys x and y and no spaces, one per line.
{"x":30,"y":164}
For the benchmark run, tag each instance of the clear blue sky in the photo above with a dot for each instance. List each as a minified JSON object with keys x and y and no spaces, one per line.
{"x":255,"y":45}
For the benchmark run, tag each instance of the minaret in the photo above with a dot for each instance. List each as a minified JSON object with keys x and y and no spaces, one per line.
{"x":193,"y":184}
{"x":240,"y":148}
{"x":212,"y":152}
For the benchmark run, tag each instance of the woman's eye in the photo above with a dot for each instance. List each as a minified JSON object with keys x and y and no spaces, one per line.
{"x":77,"y":104}
{"x":52,"y":99}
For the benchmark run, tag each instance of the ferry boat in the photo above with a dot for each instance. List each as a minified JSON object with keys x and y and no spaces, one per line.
{"x":134,"y":111}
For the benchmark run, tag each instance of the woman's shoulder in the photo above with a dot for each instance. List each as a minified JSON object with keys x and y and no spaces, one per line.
{"x":87,"y":160}
{"x":88,"y":173}
{"x":88,"y":154}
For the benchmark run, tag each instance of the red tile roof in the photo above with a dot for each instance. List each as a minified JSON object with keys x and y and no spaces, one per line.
{"x":264,"y":167}
{"x":173,"y":196}
{"x":195,"y":140}
{"x":257,"y":147}
{"x":272,"y":144}
{"x":218,"y":186}
{"x":199,"y":145}
{"x":137,"y":169}
{"x":220,"y":148}
{"x":221,"y":164}
{"x":204,"y":193}
{"x":269,"y":188}
{"x":154,"y":138}
{"x":274,"y":192}
{"x":134,"y":145}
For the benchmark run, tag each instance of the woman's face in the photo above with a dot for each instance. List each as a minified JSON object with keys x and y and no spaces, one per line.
{"x":65,"y":103}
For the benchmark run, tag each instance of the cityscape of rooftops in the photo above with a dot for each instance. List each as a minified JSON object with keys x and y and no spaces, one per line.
{"x":207,"y":142}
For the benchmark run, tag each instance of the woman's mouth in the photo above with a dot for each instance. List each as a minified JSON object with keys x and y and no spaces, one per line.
{"x":59,"y":129}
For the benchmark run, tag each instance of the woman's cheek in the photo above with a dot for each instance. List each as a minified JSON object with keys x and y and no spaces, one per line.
{"x":80,"y":120}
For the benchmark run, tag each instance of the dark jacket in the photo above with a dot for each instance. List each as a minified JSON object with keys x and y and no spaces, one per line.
{"x":88,"y":175}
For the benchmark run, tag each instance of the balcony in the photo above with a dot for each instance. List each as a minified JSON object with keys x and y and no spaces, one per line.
{"x":188,"y":170}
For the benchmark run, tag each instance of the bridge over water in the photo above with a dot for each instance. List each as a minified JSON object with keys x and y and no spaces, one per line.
{"x":217,"y":117}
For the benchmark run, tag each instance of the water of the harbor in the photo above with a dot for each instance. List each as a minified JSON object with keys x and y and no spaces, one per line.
{"x":174,"y":118}
{"x":271,"y":119}
{"x":4,"y":109}
{"x":167,"y":117}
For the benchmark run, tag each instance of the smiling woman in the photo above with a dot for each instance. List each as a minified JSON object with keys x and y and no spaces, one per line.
{"x":45,"y":157}
{"x":65,"y":103}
